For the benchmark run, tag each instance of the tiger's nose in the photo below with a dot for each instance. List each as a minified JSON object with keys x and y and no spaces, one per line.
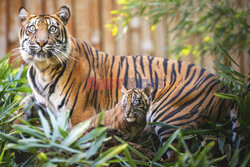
{"x":42,"y":43}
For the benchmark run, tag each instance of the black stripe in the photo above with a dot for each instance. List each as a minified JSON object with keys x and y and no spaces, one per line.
{"x":33,"y":79}
{"x":201,"y":73}
{"x":52,"y":87}
{"x":72,"y":109}
{"x":165,"y":66}
{"x":179,"y":66}
{"x":150,"y":70}
{"x":68,"y":78}
{"x":111,"y":78}
{"x":87,"y":57}
{"x":137,"y":81}
{"x":118,"y":80}
{"x":121,"y":60}
{"x":142,"y":66}
{"x":62,"y":102}
{"x":97,"y":58}
{"x":188,"y":69}
{"x":126,"y":74}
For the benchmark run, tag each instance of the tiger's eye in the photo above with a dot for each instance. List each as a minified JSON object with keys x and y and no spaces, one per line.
{"x":32,"y":28}
{"x":53,"y":29}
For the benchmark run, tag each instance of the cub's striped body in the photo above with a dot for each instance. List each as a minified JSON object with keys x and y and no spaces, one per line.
{"x":129,"y":115}
{"x":67,"y":74}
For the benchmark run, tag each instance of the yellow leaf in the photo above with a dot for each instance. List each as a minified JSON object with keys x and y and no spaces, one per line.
{"x":185,"y":52}
{"x":122,"y":2}
{"x":207,"y":39}
{"x":114,"y":31}
{"x":153,"y":27}
{"x":114,"y":12}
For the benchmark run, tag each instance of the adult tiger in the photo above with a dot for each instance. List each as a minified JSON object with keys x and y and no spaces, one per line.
{"x":67,"y":74}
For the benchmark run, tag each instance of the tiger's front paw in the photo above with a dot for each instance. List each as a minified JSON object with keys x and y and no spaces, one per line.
{"x":29,"y":109}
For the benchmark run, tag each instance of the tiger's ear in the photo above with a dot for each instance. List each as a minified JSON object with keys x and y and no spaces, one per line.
{"x":148,"y":90}
{"x":124,"y":90}
{"x":23,"y":14}
{"x":64,"y":14}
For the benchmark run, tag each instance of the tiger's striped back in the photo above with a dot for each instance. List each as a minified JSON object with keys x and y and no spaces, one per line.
{"x":189,"y":104}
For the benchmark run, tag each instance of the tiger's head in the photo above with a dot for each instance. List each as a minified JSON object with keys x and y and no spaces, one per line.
{"x":44,"y":38}
{"x":135,"y":103}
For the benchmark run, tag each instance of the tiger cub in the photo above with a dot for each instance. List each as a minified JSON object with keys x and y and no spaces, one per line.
{"x":129,"y":115}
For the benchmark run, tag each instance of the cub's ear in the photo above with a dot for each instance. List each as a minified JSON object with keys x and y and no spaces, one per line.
{"x":64,"y":14}
{"x":23,"y":14}
{"x":148,"y":90}
{"x":124,"y":90}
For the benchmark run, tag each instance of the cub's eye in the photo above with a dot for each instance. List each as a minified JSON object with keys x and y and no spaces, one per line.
{"x":53,"y":29}
{"x":136,"y":102}
{"x":32,"y":28}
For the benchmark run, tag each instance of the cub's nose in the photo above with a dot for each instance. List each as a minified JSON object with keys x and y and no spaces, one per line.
{"x":41,"y":43}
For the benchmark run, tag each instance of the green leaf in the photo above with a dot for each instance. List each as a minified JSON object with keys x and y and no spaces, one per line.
{"x":64,"y":133}
{"x":162,"y":124}
{"x":110,"y":153}
{"x":9,"y":137}
{"x":227,"y":55}
{"x":130,"y":160}
{"x":245,"y":161}
{"x":133,"y":149}
{"x":76,"y":158}
{"x":30,"y":131}
{"x":100,"y":118}
{"x":45,"y":124}
{"x":76,"y":132}
{"x":2,"y":153}
{"x":91,"y":135}
{"x":21,"y":89}
{"x":166,"y":146}
{"x":95,"y":145}
{"x":204,"y":152}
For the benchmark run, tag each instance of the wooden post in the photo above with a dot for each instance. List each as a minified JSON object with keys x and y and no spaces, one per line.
{"x":81,"y":14}
{"x":134,"y":36}
{"x":146,"y":42}
{"x":3,"y":28}
{"x":34,"y":6}
{"x":121,"y":47}
{"x":13,"y":25}
{"x":107,"y":38}
{"x":95,"y":31}
{"x":49,"y":6}
{"x":159,"y":35}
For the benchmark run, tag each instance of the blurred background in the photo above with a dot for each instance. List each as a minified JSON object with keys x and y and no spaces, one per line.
{"x":90,"y":21}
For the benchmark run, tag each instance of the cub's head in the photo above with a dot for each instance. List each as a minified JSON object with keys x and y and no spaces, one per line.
{"x":44,"y":38}
{"x":135,"y":103}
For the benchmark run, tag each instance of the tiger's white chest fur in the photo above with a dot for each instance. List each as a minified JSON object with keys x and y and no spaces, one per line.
{"x":42,"y":90}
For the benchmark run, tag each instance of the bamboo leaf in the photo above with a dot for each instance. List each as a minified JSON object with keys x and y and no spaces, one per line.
{"x":166,"y":146}
{"x":108,"y":155}
{"x":76,"y":132}
{"x":45,"y":124}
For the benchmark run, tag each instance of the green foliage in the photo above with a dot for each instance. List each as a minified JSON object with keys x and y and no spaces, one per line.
{"x":54,"y":145}
{"x":13,"y":85}
{"x":208,"y":22}
{"x":239,"y":85}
